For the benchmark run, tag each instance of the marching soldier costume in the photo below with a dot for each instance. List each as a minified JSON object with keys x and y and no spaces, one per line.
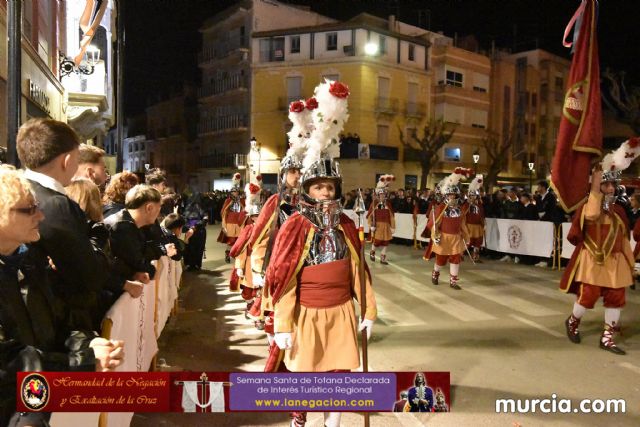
{"x":475,"y":217}
{"x":279,"y":207}
{"x":602,"y":262}
{"x":313,"y":274}
{"x":241,"y":277}
{"x":381,"y":219}
{"x":448,"y":227}
{"x":233,"y":216}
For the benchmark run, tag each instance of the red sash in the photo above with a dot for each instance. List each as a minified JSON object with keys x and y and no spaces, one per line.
{"x":326,"y":285}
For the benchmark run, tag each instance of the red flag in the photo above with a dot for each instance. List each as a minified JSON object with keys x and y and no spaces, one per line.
{"x":580,"y":135}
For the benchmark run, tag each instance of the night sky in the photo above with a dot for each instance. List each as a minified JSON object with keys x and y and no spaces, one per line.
{"x":163,"y":38}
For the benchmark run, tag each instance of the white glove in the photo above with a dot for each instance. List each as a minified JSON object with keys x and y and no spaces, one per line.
{"x":393,"y":230}
{"x":283,"y":340}
{"x":368,"y":325}
{"x":372,"y":229}
{"x":258,"y":280}
{"x":171,"y":249}
{"x":240,"y":272}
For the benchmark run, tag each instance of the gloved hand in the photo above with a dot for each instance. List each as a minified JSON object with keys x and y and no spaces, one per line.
{"x":258,"y":280}
{"x":240,"y":272}
{"x":365,"y":324}
{"x":393,"y":230}
{"x":372,"y":229}
{"x":283,"y":340}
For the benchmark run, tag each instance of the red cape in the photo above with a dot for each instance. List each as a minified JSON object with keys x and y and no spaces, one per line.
{"x":265,"y":219}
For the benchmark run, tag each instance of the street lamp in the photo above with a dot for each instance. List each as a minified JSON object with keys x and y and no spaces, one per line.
{"x":371,"y":48}
{"x":91,"y":58}
{"x":531,"y":166}
{"x":476,"y":159}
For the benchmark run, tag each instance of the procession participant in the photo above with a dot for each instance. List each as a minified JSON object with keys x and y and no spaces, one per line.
{"x":241,"y":277}
{"x":279,"y":207}
{"x":602,"y":262}
{"x":233,"y":216}
{"x":475,"y":218}
{"x":382,"y":222}
{"x":449,"y":233}
{"x":420,"y":395}
{"x":434,"y":200}
{"x":313,"y":275}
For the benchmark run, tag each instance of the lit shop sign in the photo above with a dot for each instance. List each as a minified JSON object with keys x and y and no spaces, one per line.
{"x":38,"y":96}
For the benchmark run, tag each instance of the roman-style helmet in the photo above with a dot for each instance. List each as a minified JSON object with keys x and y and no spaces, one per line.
{"x":617,"y":161}
{"x":450,"y":185}
{"x":382,"y":187}
{"x":323,"y":143}
{"x":235,"y":182}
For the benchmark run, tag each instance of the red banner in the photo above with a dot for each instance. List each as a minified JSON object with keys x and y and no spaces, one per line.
{"x":580,"y":134}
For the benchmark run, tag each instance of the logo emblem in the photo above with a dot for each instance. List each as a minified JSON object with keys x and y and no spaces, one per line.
{"x":514,"y":234}
{"x":35,"y":392}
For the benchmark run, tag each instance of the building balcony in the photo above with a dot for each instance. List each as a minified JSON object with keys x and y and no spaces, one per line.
{"x":222,"y":50}
{"x":415,"y":110}
{"x":222,"y":160}
{"x":213,"y":125}
{"x":443,"y":89}
{"x":386,"y":105}
{"x":223,"y":86}
{"x":376,"y":152}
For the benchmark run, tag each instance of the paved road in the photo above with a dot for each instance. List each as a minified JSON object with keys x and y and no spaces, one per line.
{"x":502,"y":336}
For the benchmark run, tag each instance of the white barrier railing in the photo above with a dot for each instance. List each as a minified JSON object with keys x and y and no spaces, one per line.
{"x":511,"y":236}
{"x":138,"y":322}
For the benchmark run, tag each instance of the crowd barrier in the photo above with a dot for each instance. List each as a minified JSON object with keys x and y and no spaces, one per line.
{"x":138,"y":322}
{"x":509,"y":236}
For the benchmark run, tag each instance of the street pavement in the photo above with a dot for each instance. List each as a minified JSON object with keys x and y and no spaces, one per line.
{"x":501,"y":337}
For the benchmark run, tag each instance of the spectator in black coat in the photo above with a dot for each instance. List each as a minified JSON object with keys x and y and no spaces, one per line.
{"x":128,"y":241}
{"x":49,"y":151}
{"x":545,"y":202}
{"x":172,"y":227}
{"x":34,"y":334}
{"x":528,"y":211}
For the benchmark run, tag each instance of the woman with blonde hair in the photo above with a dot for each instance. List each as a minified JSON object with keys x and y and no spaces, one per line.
{"x":87,"y":194}
{"x":34,"y":335}
{"x":116,"y":192}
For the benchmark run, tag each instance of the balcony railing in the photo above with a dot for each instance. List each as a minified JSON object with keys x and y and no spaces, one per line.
{"x":223,"y":160}
{"x":224,"y":85}
{"x":222,"y":49}
{"x":386,"y":105}
{"x":416,"y":109}
{"x":222,"y":123}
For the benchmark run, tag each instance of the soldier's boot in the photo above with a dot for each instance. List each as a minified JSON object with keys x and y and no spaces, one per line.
{"x":571,"y":324}
{"x":606,"y":340}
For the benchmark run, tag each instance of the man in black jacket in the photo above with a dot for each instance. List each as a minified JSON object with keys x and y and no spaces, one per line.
{"x":128,"y":241}
{"x":547,"y":210}
{"x":48,"y":149}
{"x":528,"y":211}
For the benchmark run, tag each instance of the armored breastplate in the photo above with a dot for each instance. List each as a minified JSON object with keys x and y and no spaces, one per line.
{"x":474,"y":209}
{"x":381,"y":206}
{"x":285,"y":211}
{"x":452,"y":212}
{"x":328,"y":245}
{"x":235,"y":206}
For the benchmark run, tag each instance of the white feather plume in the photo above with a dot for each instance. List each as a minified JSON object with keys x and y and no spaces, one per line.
{"x":328,"y":121}
{"x":476,"y":184}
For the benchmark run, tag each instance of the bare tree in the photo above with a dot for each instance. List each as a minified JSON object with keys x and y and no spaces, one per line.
{"x":498,"y":153}
{"x":435,"y":135}
{"x":625,"y":103}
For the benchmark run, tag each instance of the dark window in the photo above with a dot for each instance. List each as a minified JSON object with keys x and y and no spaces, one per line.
{"x":479,"y":89}
{"x":412,"y":52}
{"x":383,"y":45}
{"x":295,"y":44}
{"x":454,"y":79}
{"x":332,"y":41}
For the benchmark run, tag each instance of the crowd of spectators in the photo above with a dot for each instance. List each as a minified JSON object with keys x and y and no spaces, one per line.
{"x":72,"y":241}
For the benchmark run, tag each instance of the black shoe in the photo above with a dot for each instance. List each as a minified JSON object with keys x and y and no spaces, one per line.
{"x":227,"y":258}
{"x":573,"y":334}
{"x":612,"y":348}
{"x":455,"y":286}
